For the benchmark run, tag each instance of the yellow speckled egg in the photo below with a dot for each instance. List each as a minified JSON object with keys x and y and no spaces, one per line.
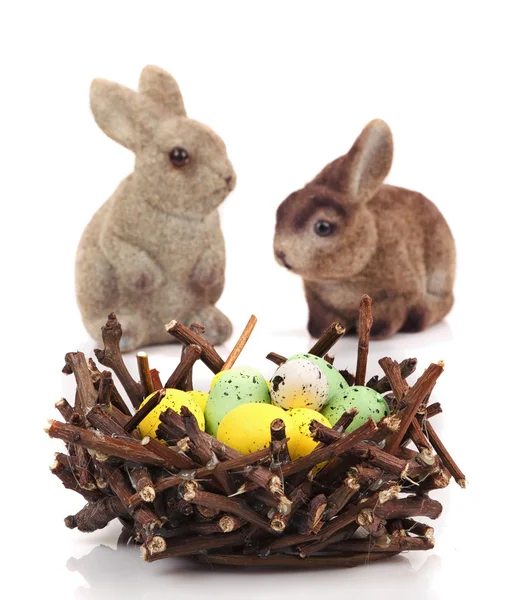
{"x":302,"y":443}
{"x":174,"y":399}
{"x":247,"y":427}
{"x":200,"y":397}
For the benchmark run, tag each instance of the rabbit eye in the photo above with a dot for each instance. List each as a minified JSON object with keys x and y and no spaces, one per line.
{"x":179,"y":157}
{"x":324,"y":228}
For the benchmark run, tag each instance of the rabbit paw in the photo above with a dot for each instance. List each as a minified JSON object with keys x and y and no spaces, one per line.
{"x":218,"y":328}
{"x":417,"y":320}
{"x":208,"y":271}
{"x":146,"y":280}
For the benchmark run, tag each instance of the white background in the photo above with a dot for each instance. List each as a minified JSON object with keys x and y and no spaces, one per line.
{"x":288,"y":85}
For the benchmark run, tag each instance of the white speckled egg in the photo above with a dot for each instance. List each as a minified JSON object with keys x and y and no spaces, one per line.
{"x":299,"y":384}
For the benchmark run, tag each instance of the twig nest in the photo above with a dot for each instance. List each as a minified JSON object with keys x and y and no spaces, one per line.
{"x":277,"y":488}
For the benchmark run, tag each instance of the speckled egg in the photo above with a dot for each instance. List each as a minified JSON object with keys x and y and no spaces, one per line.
{"x":217,"y":377}
{"x":246,"y":428}
{"x":200,"y":397}
{"x":301,"y":442}
{"x":174,"y":399}
{"x":239,"y":385}
{"x":299,"y":384}
{"x":336,"y":382}
{"x":368,"y":402}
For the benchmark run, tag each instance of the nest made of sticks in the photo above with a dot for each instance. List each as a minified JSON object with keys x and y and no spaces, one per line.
{"x":193,"y":496}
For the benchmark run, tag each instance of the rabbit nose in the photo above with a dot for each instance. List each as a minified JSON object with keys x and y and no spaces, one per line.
{"x":228,"y":179}
{"x":282,"y":257}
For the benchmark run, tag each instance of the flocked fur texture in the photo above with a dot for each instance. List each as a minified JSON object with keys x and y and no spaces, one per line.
{"x":155,"y":250}
{"x":347,"y":235}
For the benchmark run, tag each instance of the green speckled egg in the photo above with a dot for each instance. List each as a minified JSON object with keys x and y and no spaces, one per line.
{"x":336,"y":382}
{"x":368,"y":402}
{"x":239,"y":385}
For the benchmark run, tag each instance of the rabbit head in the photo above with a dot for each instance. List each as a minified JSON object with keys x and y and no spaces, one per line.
{"x":181,"y":164}
{"x":327,"y":224}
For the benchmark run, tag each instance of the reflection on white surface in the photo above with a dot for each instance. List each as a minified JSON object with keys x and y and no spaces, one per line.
{"x":110,"y":573}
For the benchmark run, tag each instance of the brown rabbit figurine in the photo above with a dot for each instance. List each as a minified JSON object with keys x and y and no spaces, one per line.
{"x":346,"y":234}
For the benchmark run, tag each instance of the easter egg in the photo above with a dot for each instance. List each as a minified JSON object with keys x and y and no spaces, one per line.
{"x":301,"y":442}
{"x":299,"y":384}
{"x":239,"y":385}
{"x":216,"y":378}
{"x":200,"y":397}
{"x":174,"y":399}
{"x":336,"y":382}
{"x":246,"y":428}
{"x":368,"y":402}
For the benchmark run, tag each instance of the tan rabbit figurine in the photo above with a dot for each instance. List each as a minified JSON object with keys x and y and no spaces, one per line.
{"x":346,"y":234}
{"x":155,"y":250}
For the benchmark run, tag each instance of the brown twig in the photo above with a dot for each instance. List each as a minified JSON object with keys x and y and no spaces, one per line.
{"x":395,"y":545}
{"x":288,"y":560}
{"x":170,"y":457}
{"x":382,"y":385}
{"x":203,"y":451}
{"x":349,"y":515}
{"x":99,"y":418}
{"x":413,"y":506}
{"x":146,"y":382}
{"x":145,"y":410}
{"x":108,"y":393}
{"x":278,"y":445}
{"x":393,"y":374}
{"x":70,"y":481}
{"x":156,"y":381}
{"x":194,"y":545}
{"x":278,"y":359}
{"x":96,"y":515}
{"x":129,"y":450}
{"x":327,"y":340}
{"x":111,"y":357}
{"x":340,"y":446}
{"x":445,"y":456}
{"x":313,"y":517}
{"x":347,"y":376}
{"x":142,"y":483}
{"x":240,"y":344}
{"x":65,"y":409}
{"x":338,"y":499}
{"x":208,"y":353}
{"x":414,"y":398}
{"x":86,"y":394}
{"x":191,"y":354}
{"x":365,"y":324}
{"x":190,"y":492}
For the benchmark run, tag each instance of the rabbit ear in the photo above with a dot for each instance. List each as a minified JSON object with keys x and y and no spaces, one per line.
{"x":114,"y":108}
{"x":360,"y":173}
{"x":162,"y":88}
